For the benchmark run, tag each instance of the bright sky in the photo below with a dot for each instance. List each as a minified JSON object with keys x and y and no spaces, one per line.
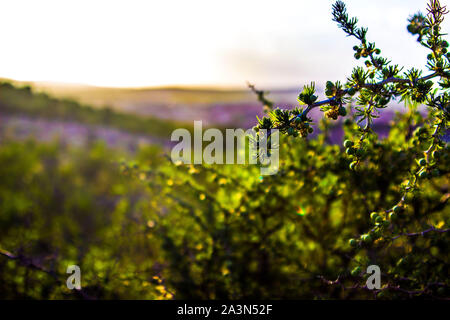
{"x":198,"y":42}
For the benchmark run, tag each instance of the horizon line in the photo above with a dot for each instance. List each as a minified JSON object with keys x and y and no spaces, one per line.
{"x":174,"y":86}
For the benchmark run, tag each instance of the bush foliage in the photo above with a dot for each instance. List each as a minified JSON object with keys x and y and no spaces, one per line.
{"x":312,"y":230}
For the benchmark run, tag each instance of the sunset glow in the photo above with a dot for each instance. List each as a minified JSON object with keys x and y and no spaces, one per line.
{"x":147,"y":43}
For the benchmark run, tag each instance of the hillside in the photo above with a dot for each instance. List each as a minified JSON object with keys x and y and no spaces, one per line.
{"x":25,"y":101}
{"x":233,"y":107}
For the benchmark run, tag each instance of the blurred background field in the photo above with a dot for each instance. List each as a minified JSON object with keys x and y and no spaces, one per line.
{"x":152,"y":112}
{"x":90,"y":185}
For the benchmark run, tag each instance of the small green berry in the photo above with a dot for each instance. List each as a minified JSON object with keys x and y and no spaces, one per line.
{"x":329,"y":85}
{"x":351,"y":91}
{"x":373,"y":216}
{"x":342,"y":111}
{"x":353,"y":165}
{"x":422,"y":130}
{"x":350,"y":151}
{"x":397,"y":209}
{"x":423,"y":175}
{"x":422,"y":162}
{"x":366,"y":238}
{"x":348,"y":143}
{"x":353,"y":243}
{"x":256,"y":128}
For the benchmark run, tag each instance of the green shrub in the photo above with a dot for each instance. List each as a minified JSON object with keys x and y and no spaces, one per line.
{"x":308,"y":231}
{"x":62,"y":206}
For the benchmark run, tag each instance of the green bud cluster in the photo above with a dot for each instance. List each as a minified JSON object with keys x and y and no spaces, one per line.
{"x":333,"y":112}
{"x":356,"y":152}
{"x":308,"y":96}
{"x":365,"y":51}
